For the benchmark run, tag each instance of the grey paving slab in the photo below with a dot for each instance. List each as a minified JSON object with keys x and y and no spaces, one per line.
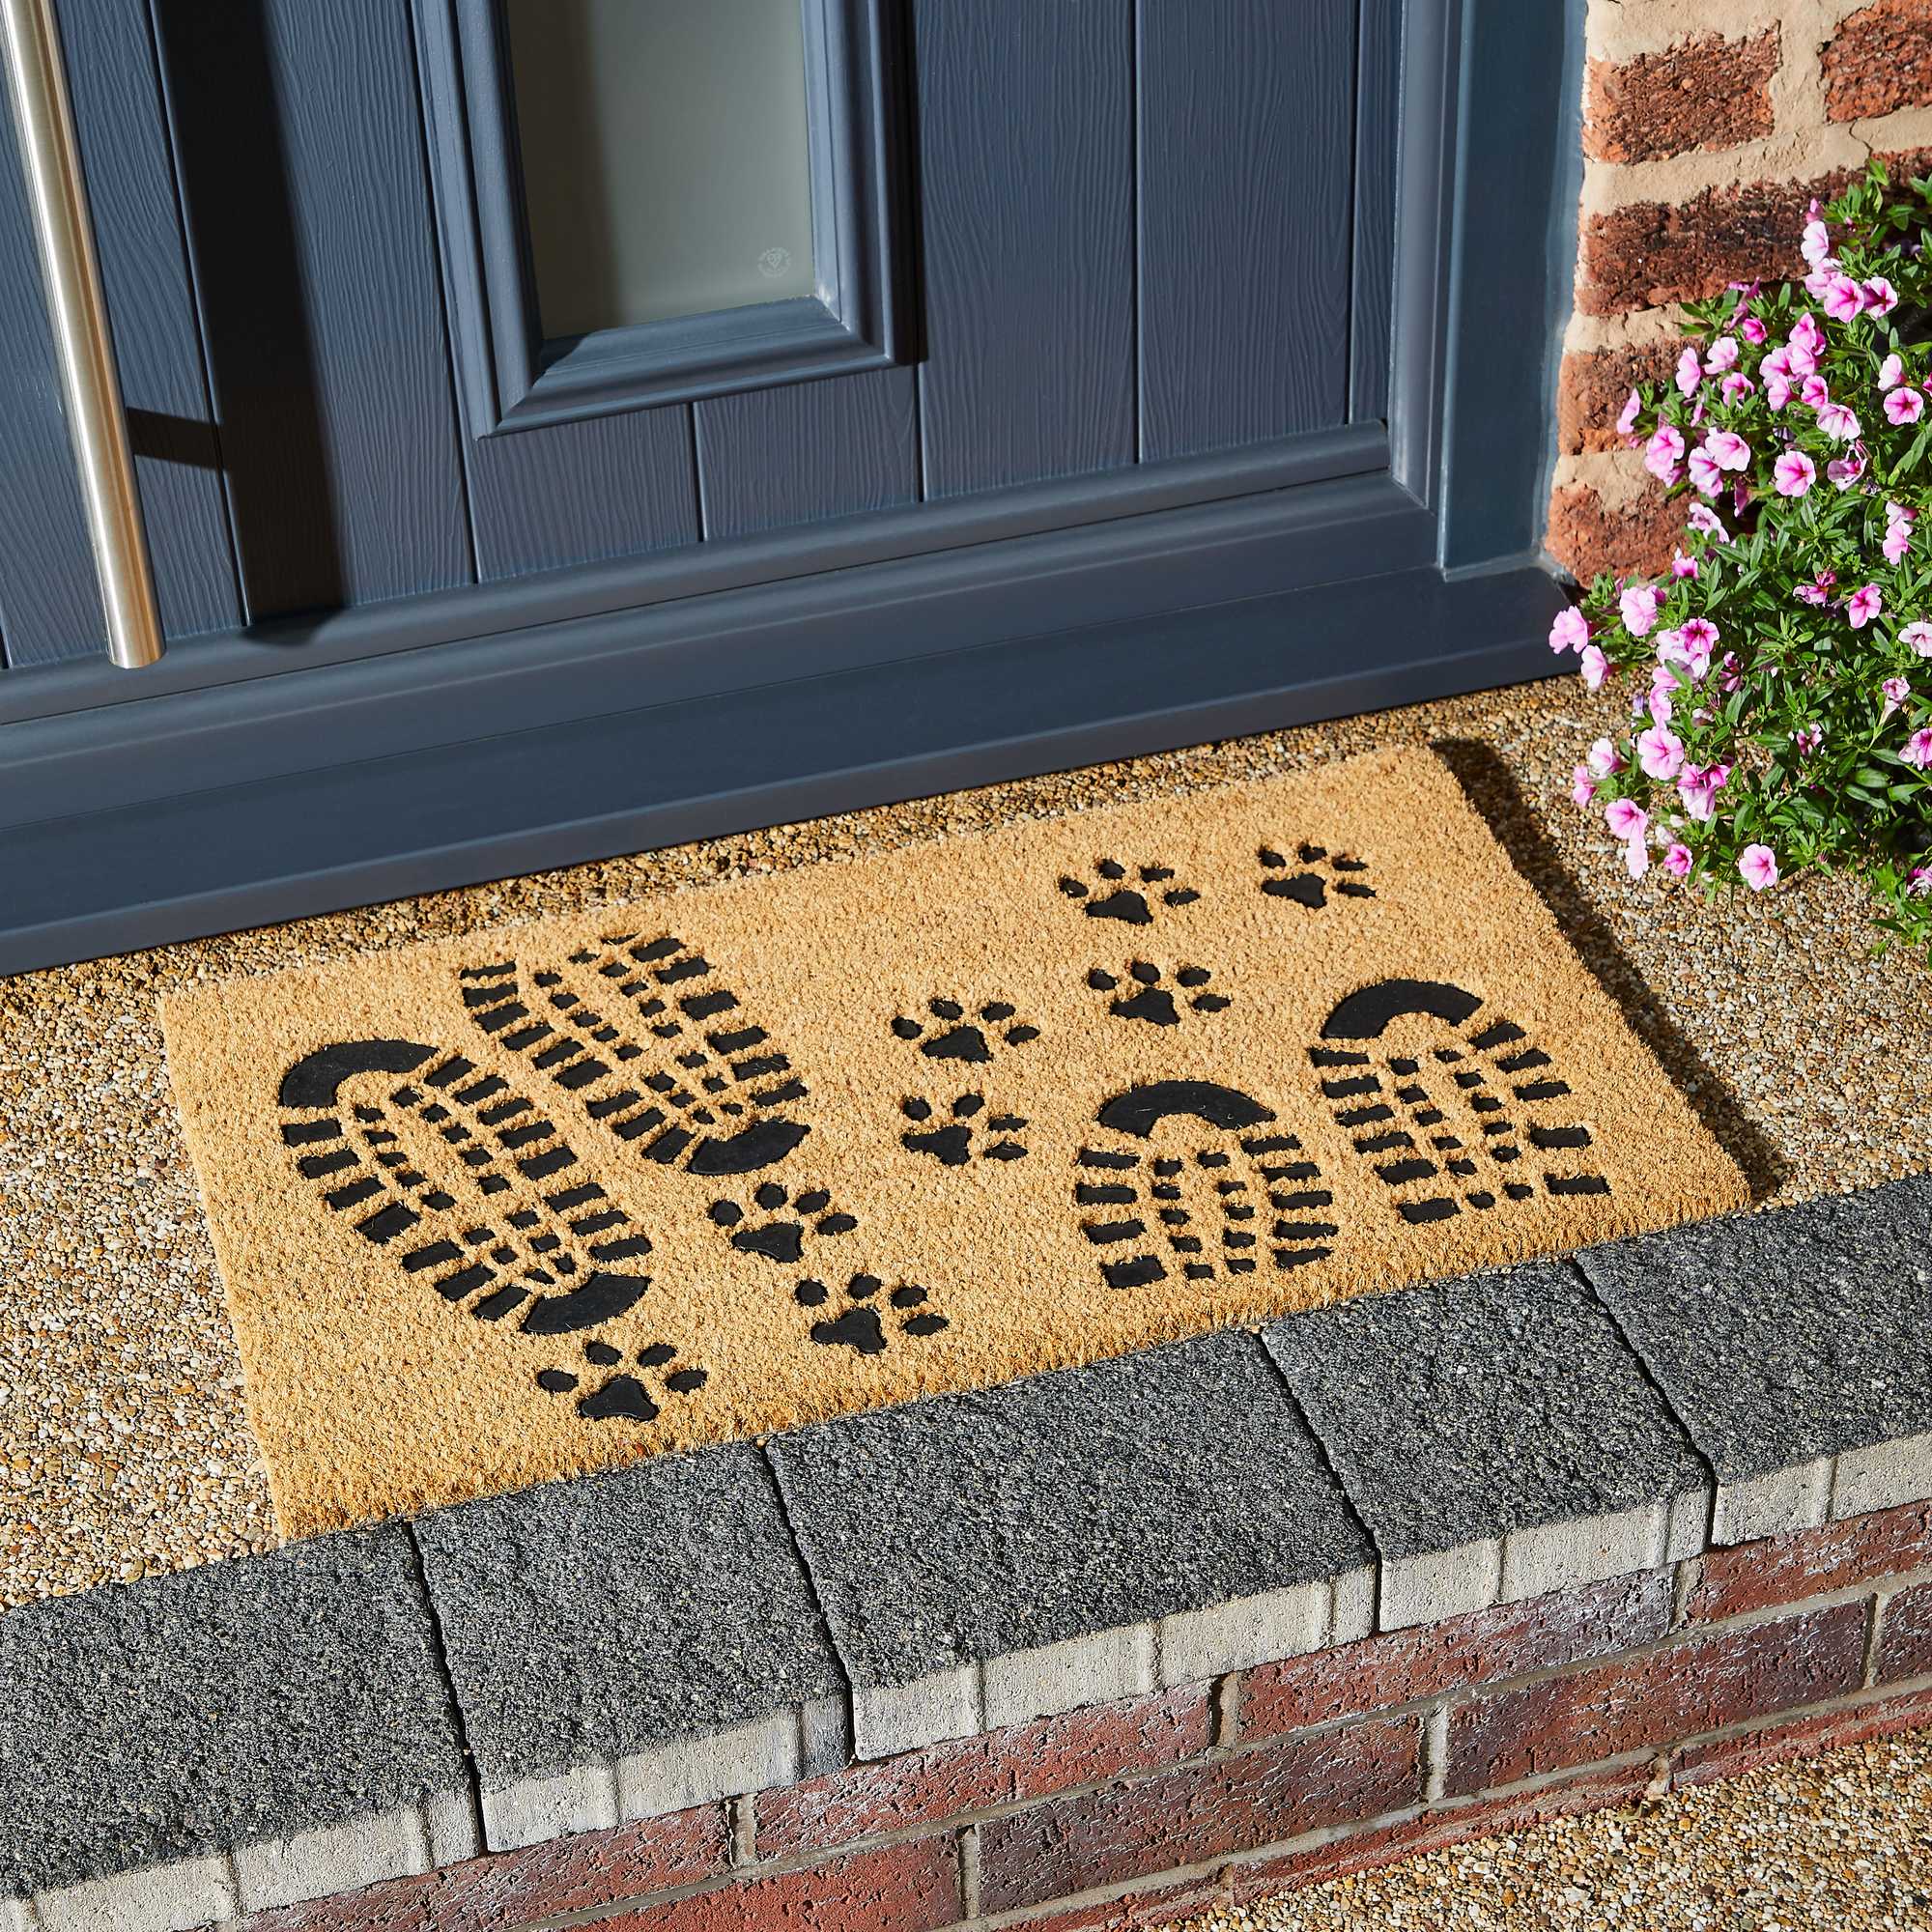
{"x":1794,"y":1344}
{"x":1497,"y":1435}
{"x":1048,"y":1517}
{"x":613,"y":1618}
{"x":152,"y":1722}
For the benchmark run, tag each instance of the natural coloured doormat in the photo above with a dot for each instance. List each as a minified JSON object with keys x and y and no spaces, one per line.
{"x":500,"y":1208}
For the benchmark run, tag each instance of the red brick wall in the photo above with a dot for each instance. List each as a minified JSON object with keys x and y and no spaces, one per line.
{"x":1270,"y":1777}
{"x":1707,"y":127}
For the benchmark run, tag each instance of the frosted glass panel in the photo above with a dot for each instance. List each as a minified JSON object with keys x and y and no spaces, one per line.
{"x":664,"y":159}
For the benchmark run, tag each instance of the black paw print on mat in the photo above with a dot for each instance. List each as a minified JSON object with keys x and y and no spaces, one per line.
{"x":953,"y":1144}
{"x":1451,"y":1117}
{"x":859,"y":1324}
{"x":623,"y":1393}
{"x":1115,"y":897}
{"x":469,"y":1188}
{"x":1318,"y":873}
{"x":950,"y":1034}
{"x":781,"y":1237}
{"x":1146,"y":998}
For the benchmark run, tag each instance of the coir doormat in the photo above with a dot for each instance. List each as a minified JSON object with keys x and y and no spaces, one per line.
{"x":500,"y":1208}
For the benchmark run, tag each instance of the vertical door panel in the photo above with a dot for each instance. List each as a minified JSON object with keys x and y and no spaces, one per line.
{"x":297,"y":128}
{"x":608,"y":487}
{"x":771,"y":457}
{"x":1371,"y":319}
{"x":49,"y":600}
{"x":1246,"y":166}
{"x":1026,"y":174}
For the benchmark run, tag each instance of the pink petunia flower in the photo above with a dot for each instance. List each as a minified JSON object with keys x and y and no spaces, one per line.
{"x":1637,"y":857}
{"x":1918,"y":634}
{"x":1689,"y":373}
{"x":1625,"y":818}
{"x":1863,"y":605}
{"x":1681,"y":565}
{"x":1776,"y":392}
{"x":1594,"y":666}
{"x":1879,"y":296}
{"x":1730,"y":676}
{"x":1904,"y":405}
{"x":1704,"y":520}
{"x":1794,"y":473}
{"x":1752,"y":330}
{"x":1817,"y":242}
{"x":1660,"y":753}
{"x":1892,"y":372}
{"x":1757,"y":866}
{"x":1898,"y":539}
{"x":1639,"y":605}
{"x":1706,"y":478}
{"x":1919,"y":881}
{"x":1918,"y":749}
{"x":1845,"y":470}
{"x":1844,"y":300}
{"x":1569,"y":630}
{"x":1604,"y":758}
{"x":1698,"y":786}
{"x":1662,"y":453}
{"x":1818,"y":283}
{"x":1896,"y":690}
{"x":1632,"y":404}
{"x":1839,"y":422}
{"x":1813,"y":392}
{"x":1722,"y":354}
{"x":1799,"y":360}
{"x":1735,"y":386}
{"x":1677,"y":862}
{"x":1818,"y":592}
{"x":1728,"y":449}
{"x":1807,"y":738}
{"x":1805,"y":334}
{"x":1582,"y":787}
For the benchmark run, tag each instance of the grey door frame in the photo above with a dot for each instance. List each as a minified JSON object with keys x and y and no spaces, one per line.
{"x":309,"y":765}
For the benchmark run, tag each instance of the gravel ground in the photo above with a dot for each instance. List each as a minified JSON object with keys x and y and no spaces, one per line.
{"x":123,"y":1448}
{"x":1839,"y":1841}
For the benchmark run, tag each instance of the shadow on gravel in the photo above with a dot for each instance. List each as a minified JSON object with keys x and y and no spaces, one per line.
{"x":1494,"y":792}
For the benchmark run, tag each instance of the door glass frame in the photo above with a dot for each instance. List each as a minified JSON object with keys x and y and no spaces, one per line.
{"x":515,"y":378}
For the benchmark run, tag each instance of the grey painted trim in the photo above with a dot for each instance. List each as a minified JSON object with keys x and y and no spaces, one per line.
{"x":636,"y":583}
{"x":514,"y":379}
{"x":1177,"y":1641}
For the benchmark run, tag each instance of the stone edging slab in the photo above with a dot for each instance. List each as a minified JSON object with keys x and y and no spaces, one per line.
{"x":363,"y":1706}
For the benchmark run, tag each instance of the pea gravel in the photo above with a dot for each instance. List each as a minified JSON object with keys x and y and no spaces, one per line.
{"x":123,"y":1448}
{"x":1842,"y":1841}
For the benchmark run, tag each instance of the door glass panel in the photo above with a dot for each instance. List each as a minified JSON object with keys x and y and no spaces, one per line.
{"x":666,"y":170}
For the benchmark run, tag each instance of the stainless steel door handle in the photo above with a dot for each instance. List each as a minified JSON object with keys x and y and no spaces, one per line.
{"x":57,"y":198}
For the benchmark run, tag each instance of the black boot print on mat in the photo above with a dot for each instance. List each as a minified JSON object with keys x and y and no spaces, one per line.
{"x":470,"y":1191}
{"x":1216,"y":1190}
{"x":643,"y":1037}
{"x":1309,"y":873}
{"x":786,"y":1230}
{"x":1456,"y":1124}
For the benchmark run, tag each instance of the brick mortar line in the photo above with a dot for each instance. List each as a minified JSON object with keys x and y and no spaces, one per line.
{"x":1423,"y":1710}
{"x":1448,"y":1810}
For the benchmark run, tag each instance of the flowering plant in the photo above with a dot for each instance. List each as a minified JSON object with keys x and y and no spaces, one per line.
{"x":1780,"y":674}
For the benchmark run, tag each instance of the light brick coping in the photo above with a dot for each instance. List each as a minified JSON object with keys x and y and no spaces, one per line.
{"x":1241,"y":1609}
